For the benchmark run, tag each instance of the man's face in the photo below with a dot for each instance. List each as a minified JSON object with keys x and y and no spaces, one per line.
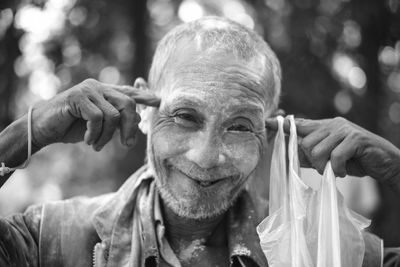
{"x":208,"y":135}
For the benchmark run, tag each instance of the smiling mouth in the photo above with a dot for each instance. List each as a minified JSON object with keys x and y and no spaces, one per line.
{"x":204,"y":183}
{"x":207,"y":184}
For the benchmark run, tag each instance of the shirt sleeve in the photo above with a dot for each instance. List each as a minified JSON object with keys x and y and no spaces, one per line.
{"x":19,"y":237}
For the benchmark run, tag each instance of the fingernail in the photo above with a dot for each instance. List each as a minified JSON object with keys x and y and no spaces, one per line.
{"x":130,"y":142}
{"x":98,"y":148}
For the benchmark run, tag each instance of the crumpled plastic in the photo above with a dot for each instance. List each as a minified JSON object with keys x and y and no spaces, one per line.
{"x":307,"y":227}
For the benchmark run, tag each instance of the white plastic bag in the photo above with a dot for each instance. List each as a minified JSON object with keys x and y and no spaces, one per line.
{"x":307,"y":228}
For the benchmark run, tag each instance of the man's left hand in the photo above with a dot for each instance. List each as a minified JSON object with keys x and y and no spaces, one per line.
{"x":351,"y":149}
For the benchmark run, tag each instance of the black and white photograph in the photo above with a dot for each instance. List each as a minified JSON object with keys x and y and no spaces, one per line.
{"x":200,"y":133}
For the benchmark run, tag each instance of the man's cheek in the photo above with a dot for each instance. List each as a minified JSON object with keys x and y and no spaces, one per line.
{"x":168,"y":143}
{"x":245,"y":157}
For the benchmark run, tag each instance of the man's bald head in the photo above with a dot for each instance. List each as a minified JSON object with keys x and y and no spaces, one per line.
{"x":212,"y":38}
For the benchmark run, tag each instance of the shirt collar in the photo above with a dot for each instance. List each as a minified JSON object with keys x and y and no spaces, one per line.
{"x":243,"y":240}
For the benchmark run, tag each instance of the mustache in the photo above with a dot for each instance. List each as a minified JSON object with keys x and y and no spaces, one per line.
{"x":192,"y":170}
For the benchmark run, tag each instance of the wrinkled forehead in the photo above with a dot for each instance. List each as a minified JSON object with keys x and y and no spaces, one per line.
{"x":215,"y":74}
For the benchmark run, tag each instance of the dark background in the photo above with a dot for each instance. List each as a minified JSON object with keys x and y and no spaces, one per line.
{"x":339,"y":58}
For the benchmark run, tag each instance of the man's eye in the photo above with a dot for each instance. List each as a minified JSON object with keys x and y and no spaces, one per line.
{"x":186,"y":117}
{"x":186,"y":120}
{"x":239,"y":128}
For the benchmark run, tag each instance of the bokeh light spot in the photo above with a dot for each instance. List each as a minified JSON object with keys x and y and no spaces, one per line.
{"x":349,"y":73}
{"x":190,"y":10}
{"x":161,"y":12}
{"x":72,"y":53}
{"x":77,"y":16}
{"x":357,"y":78}
{"x":235,"y":11}
{"x":64,"y":74}
{"x":44,"y":84}
{"x":351,"y":34}
{"x":342,"y":64}
{"x":389,"y":56}
{"x":232,"y":8}
{"x":343,"y":102}
{"x":123,"y":47}
{"x":20,"y":67}
{"x":109,"y":74}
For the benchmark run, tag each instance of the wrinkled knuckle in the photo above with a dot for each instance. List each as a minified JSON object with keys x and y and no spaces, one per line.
{"x":305,"y":145}
{"x":90,"y":82}
{"x":73,"y":95}
{"x":343,"y":128}
{"x":338,"y":123}
{"x":355,"y":135}
{"x":340,"y":120}
{"x":115,"y":116}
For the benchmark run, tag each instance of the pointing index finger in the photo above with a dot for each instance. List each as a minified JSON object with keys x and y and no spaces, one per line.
{"x":303,"y":126}
{"x":140,"y":96}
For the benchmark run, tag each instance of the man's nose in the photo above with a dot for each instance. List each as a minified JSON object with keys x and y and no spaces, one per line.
{"x":206,"y":151}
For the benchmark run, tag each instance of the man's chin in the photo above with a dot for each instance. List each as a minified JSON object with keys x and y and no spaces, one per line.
{"x":191,"y":209}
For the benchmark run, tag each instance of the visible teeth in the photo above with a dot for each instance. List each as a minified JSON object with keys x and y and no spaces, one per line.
{"x":205,"y":183}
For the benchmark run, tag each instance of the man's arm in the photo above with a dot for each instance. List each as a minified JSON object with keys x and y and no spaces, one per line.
{"x":14,"y":145}
{"x":90,"y":111}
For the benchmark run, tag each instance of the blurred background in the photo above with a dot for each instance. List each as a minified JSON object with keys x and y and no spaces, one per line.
{"x":339,"y":58}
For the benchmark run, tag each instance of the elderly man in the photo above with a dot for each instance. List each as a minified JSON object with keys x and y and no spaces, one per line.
{"x":213,"y":86}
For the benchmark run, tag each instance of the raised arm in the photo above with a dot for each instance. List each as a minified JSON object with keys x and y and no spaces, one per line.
{"x":90,"y":111}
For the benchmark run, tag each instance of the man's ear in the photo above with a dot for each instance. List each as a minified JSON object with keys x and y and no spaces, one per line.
{"x":143,"y":110}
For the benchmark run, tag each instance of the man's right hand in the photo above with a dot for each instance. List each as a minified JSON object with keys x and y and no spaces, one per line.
{"x":91,"y":111}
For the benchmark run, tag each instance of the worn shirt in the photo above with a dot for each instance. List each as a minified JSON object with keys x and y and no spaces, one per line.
{"x":243,"y":242}
{"x":129,"y":231}
{"x":125,"y":228}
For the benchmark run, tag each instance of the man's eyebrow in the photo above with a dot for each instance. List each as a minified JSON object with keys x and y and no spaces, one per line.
{"x":253,"y":109}
{"x":185,"y":101}
{"x":193,"y":101}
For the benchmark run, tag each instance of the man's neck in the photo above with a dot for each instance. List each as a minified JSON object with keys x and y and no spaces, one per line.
{"x":181,"y":230}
